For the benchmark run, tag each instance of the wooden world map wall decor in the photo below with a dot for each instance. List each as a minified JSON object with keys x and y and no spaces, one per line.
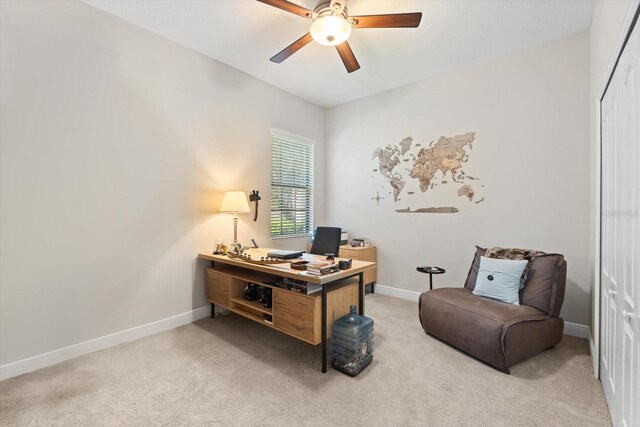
{"x":440,"y":164}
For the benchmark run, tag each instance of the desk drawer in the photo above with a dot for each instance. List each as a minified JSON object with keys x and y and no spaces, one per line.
{"x":218,"y":287}
{"x":294,"y":314}
{"x":348,"y":253}
{"x":368,"y":253}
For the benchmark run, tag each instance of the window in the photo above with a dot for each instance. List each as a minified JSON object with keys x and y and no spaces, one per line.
{"x":291,"y":185}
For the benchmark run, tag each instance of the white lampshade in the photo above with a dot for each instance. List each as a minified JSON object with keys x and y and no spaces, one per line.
{"x":235,"y":201}
{"x":330,"y":30}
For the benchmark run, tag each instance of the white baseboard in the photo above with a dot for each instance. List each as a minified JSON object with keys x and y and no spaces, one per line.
{"x":573,"y":329}
{"x":576,"y":330}
{"x":60,"y":355}
{"x":398,"y":293}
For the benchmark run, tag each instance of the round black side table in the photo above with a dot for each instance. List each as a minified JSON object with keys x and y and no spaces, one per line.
{"x":431,"y":271}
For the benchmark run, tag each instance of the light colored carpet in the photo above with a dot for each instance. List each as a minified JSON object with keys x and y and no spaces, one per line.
{"x":230,"y":371}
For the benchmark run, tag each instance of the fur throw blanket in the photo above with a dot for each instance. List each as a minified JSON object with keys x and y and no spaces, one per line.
{"x":512,"y":253}
{"x":515,"y":254}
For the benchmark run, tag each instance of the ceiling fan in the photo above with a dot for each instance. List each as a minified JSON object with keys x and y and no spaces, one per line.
{"x":332,"y":27}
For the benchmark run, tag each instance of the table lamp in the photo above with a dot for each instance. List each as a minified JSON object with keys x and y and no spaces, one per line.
{"x":235,"y":202}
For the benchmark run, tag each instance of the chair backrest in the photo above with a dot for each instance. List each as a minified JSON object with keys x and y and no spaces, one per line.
{"x":545,"y":285}
{"x":327,"y":241}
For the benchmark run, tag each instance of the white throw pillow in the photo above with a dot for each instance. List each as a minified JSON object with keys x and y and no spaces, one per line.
{"x":499,"y":279}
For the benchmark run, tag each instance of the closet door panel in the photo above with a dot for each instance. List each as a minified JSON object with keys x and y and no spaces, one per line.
{"x":620,"y":238}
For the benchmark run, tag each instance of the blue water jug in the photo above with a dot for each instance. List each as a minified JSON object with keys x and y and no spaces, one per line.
{"x":352,"y":343}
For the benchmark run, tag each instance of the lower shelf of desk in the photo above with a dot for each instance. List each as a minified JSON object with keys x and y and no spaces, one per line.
{"x":294,"y":314}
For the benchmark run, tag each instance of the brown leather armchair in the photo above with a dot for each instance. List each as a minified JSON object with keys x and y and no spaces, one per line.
{"x":497,"y":333}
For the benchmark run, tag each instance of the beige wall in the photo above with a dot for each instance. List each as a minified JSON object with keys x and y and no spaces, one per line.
{"x":116,"y":145}
{"x":606,"y":27}
{"x":530,"y":112}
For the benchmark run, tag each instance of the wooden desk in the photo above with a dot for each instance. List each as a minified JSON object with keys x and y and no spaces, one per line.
{"x":305,"y":317}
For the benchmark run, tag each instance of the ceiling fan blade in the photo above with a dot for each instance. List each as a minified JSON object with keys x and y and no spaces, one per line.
{"x":397,"y":20}
{"x":288,"y":6}
{"x":348,"y":58}
{"x":291,"y":49}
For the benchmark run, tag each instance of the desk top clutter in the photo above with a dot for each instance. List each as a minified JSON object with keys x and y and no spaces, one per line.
{"x":283,"y":268}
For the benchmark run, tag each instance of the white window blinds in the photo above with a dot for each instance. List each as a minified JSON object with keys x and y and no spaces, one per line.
{"x":291,"y":185}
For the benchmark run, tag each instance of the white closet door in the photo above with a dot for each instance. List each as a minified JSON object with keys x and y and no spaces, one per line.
{"x":620,"y":262}
{"x":630,"y":204}
{"x":609,"y":280}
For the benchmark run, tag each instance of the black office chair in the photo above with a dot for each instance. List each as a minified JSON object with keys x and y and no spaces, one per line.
{"x":327,"y":241}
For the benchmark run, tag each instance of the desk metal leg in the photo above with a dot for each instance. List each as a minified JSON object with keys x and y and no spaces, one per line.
{"x":361,"y":293}
{"x":324,"y":328}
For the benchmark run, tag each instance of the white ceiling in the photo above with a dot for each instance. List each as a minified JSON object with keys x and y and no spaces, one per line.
{"x":245,"y":34}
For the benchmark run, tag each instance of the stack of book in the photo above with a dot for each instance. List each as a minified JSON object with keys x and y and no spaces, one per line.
{"x":320,"y":268}
{"x":300,"y":287}
{"x":360,"y":242}
{"x":306,"y":288}
{"x":312,"y":288}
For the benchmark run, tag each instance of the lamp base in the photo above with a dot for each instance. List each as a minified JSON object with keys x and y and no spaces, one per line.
{"x":235,"y":230}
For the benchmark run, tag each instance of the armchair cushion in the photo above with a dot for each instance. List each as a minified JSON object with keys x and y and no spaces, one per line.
{"x":472,"y":276}
{"x":545,"y":285}
{"x":463,"y":299}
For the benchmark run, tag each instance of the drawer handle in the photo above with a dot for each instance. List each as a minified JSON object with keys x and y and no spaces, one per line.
{"x":612,"y":293}
{"x":627,"y":314}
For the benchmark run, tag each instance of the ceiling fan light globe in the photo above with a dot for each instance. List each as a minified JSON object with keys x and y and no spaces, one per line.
{"x":330,"y":30}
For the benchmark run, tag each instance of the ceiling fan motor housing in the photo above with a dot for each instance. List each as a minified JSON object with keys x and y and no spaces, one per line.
{"x":330,"y":7}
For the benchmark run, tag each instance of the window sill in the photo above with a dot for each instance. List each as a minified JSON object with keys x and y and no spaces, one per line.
{"x":290,"y":236}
